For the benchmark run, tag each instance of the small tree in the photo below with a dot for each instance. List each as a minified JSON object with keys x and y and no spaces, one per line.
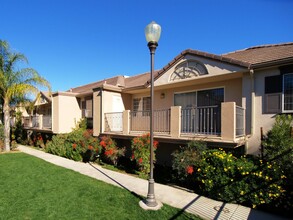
{"x":278,"y":148}
{"x":278,"y":145}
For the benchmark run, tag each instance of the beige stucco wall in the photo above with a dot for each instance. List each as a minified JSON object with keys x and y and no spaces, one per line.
{"x":232,"y":88}
{"x":111,"y":102}
{"x":66,"y":113}
{"x":261,"y":119}
{"x":96,"y":112}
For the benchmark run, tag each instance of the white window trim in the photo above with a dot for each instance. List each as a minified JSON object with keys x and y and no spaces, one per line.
{"x":283,"y":110}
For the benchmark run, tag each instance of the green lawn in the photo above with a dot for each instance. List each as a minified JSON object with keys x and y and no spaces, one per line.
{"x":31,"y":188}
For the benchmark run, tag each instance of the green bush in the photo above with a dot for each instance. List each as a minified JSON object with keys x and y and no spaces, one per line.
{"x":224,"y":177}
{"x":140,"y":147}
{"x":18,"y":134}
{"x":278,"y":145}
{"x":186,"y":159}
{"x":278,"y":148}
{"x":110,"y":151}
{"x":78,"y":145}
{"x":221,"y":176}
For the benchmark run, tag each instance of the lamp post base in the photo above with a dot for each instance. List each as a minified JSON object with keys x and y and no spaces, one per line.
{"x":143,"y":205}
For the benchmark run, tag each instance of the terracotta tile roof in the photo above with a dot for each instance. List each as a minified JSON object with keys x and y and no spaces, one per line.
{"x":264,"y":54}
{"x":88,"y":88}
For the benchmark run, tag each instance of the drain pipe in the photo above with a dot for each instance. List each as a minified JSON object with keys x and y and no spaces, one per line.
{"x":252,"y":102}
{"x":101,"y":110}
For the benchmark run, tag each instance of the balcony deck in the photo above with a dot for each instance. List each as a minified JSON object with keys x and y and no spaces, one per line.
{"x":221,"y":124}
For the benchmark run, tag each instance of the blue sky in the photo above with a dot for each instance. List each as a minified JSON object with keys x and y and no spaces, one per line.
{"x":75,"y":42}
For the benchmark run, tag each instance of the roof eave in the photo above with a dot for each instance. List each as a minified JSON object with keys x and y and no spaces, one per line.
{"x":272,"y":63}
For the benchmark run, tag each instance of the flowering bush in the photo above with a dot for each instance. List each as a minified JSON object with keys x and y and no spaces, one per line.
{"x":110,"y":150}
{"x":140,"y":147}
{"x":186,"y":159}
{"x":77,"y":145}
{"x":221,"y":176}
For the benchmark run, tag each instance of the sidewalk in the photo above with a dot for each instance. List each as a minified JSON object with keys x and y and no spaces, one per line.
{"x":190,"y":202}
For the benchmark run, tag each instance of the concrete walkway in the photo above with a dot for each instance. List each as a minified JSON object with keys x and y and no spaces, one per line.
{"x":190,"y":202}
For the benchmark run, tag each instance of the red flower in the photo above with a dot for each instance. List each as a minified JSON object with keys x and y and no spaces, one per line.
{"x":74,"y":145}
{"x":140,"y":160}
{"x":155,"y":144}
{"x":90,"y":147}
{"x":109,"y":152}
{"x":132,"y":157}
{"x":103,"y":144}
{"x":189,"y":169}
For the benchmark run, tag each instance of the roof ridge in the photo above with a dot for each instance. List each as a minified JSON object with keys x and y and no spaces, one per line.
{"x":92,"y":83}
{"x":258,"y":46}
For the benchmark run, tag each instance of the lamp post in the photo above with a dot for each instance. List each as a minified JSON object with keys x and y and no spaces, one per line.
{"x":152,"y":34}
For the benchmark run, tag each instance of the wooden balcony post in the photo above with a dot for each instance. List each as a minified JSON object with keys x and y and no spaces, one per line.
{"x":175,"y":121}
{"x":126,"y":121}
{"x":228,"y":121}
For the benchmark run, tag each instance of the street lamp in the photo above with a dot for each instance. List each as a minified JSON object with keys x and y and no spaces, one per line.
{"x":152,"y":34}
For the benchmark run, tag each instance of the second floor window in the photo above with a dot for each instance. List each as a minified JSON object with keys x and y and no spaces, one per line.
{"x":141,"y":105}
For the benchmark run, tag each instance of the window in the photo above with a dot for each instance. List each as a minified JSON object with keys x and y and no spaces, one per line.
{"x":279,"y":93}
{"x":188,"y":69}
{"x":146,"y":106}
{"x":200,"y":111}
{"x":185,"y":100}
{"x":135,"y":104}
{"x":211,"y":97}
{"x":141,"y":106}
{"x":288,"y":92}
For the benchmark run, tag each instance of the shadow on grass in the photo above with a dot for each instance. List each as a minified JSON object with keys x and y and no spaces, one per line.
{"x":181,"y":212}
{"x":124,"y":187}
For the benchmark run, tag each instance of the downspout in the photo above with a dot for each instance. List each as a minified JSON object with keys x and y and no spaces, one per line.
{"x":252,"y":102}
{"x":101,"y":110}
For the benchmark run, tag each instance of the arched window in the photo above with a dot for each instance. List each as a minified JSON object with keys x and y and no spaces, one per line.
{"x":188,"y":69}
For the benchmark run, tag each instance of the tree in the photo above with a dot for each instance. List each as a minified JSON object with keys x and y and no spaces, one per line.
{"x":15,"y":83}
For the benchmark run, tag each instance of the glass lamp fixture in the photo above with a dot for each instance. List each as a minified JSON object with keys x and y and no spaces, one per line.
{"x":152,"y":32}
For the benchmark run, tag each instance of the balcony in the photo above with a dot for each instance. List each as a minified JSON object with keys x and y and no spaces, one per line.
{"x":38,"y":122}
{"x":223,"y":123}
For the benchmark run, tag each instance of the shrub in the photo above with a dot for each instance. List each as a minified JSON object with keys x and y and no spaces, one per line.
{"x":186,"y":159}
{"x":222,"y":176}
{"x":77,"y":145}
{"x":278,"y":148}
{"x":140,"y":147}
{"x":18,"y":134}
{"x":110,"y":151}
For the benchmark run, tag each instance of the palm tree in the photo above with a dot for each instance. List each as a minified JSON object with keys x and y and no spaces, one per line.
{"x":15,"y":83}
